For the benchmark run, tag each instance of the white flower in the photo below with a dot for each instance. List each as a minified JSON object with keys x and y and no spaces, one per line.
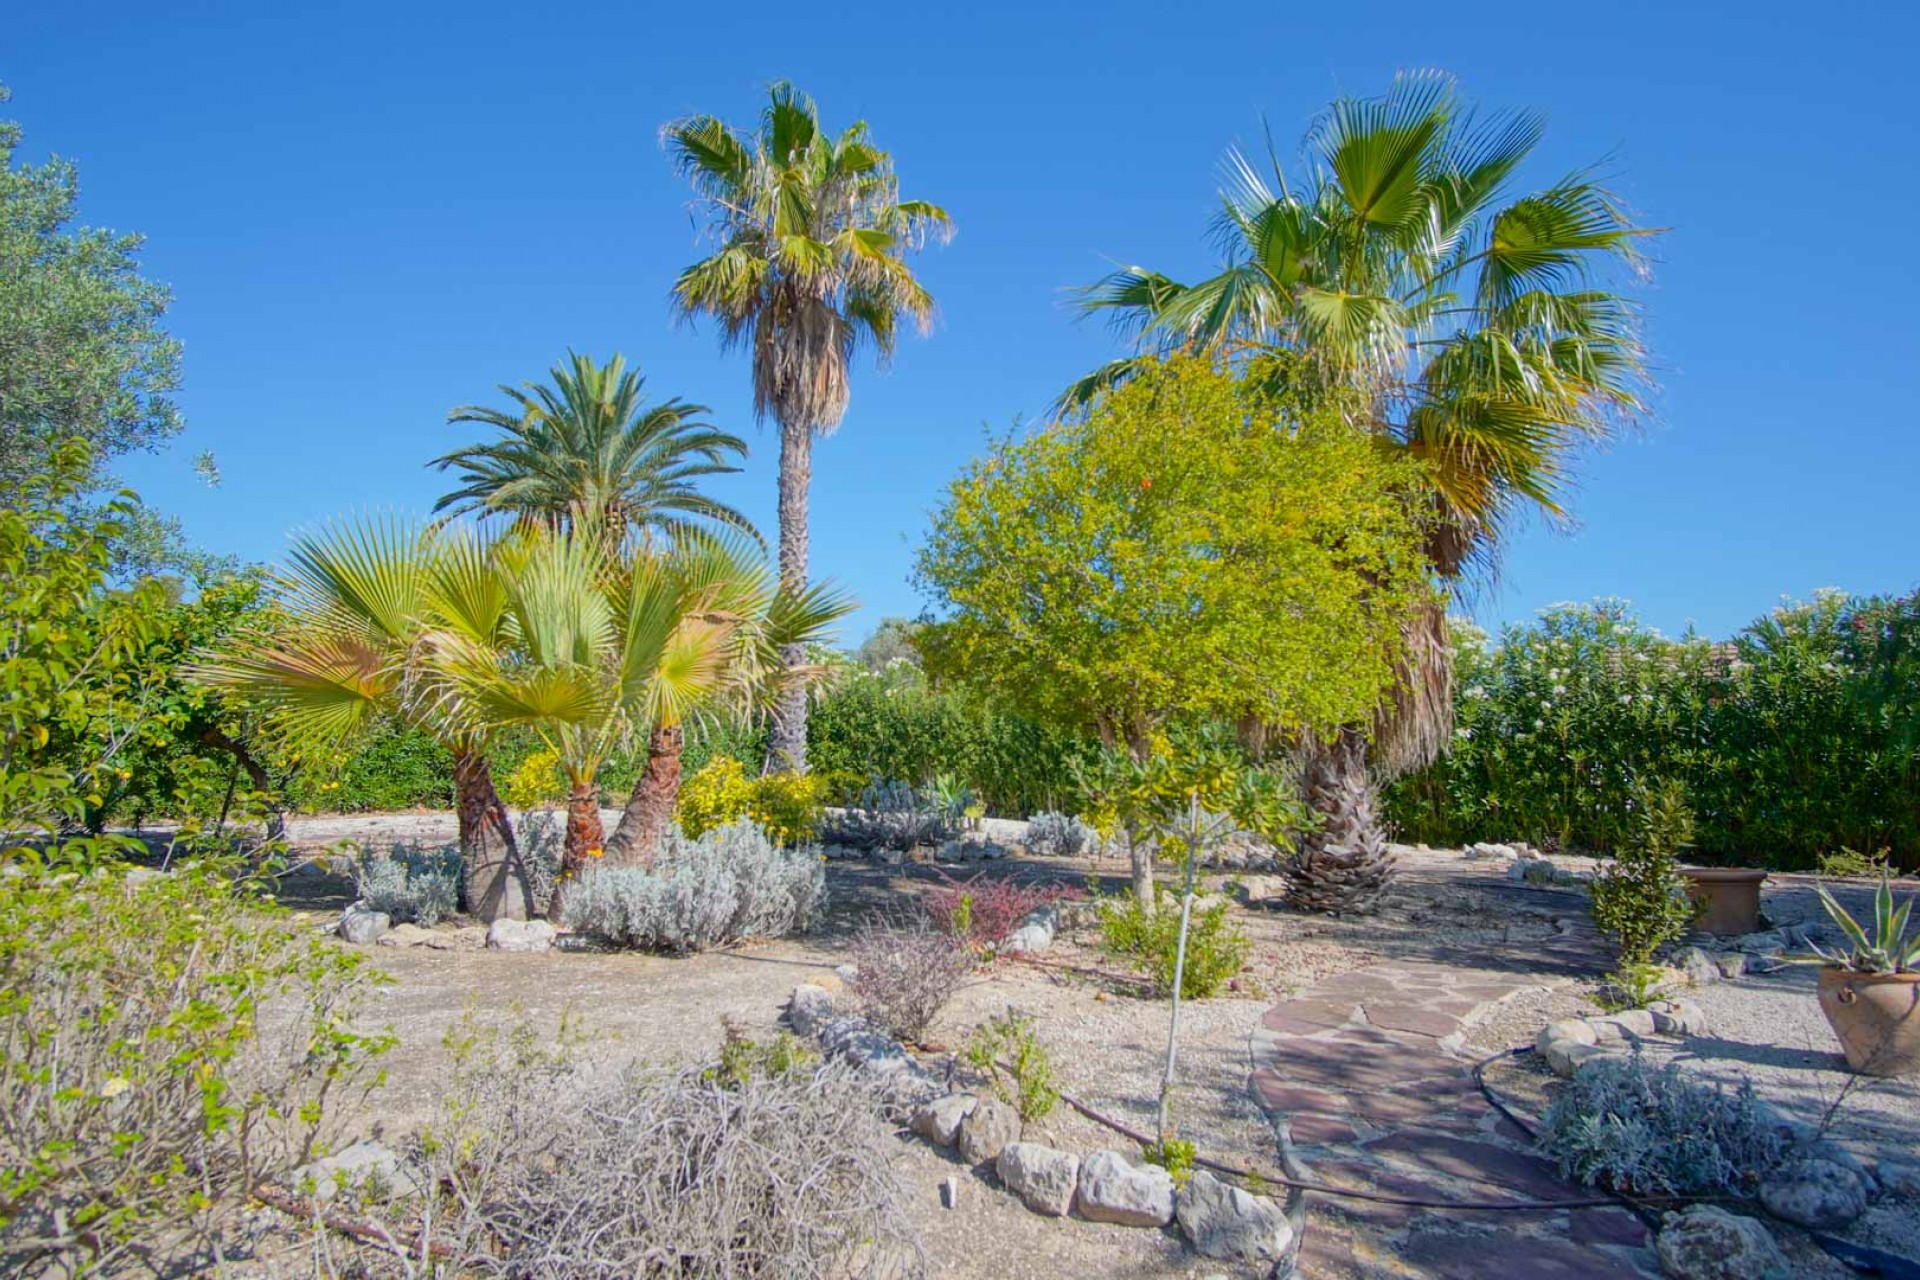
{"x":1626,"y":699}
{"x":1546,"y":705}
{"x":1463,"y":733}
{"x":1559,"y":689}
{"x":1539,"y":724}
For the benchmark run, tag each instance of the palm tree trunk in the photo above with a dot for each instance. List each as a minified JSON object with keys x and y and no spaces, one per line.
{"x":586,"y":839}
{"x":1343,"y":865}
{"x":636,"y":841}
{"x":493,"y":877}
{"x":787,"y":739}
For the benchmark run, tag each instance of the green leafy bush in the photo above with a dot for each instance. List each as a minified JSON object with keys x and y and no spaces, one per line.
{"x":1006,"y":1050}
{"x":1216,"y":946}
{"x":1640,"y":899}
{"x":166,"y":1041}
{"x":784,"y":805}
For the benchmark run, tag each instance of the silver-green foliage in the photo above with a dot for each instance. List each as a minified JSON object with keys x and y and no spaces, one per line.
{"x":733,"y":882}
{"x":1057,"y":835}
{"x":892,"y":815}
{"x":1621,"y":1123}
{"x":411,"y":882}
{"x":1887,"y":949}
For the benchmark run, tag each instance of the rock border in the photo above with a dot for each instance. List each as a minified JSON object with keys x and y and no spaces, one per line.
{"x":1218,"y":1219}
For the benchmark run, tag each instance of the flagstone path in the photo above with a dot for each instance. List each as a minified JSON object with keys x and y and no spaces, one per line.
{"x":1367,"y":1068}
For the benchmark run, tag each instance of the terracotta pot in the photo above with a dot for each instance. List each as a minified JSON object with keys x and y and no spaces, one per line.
{"x":1731,"y":895}
{"x":1876,"y":1016}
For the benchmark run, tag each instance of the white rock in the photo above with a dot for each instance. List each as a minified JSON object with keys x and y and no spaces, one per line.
{"x":989,"y":1127}
{"x":1819,"y":1194}
{"x":1223,"y":1221}
{"x":809,"y":1008}
{"x":1708,"y":1243}
{"x":366,"y":1168}
{"x":362,"y":927}
{"x":1565,"y":1057}
{"x":520,"y":935}
{"x":1571,"y":1030}
{"x":1042,"y":1177}
{"x":1698,"y":966}
{"x":939,"y":1120}
{"x":1112,"y":1190}
{"x":1625,"y":1025}
{"x":406,"y":935}
{"x":949,"y":1192}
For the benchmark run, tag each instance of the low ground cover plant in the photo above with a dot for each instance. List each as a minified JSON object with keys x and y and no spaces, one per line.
{"x":1622,"y":1124}
{"x":166,"y":1043}
{"x":731,"y":882}
{"x":983,"y":909}
{"x":905,"y":972}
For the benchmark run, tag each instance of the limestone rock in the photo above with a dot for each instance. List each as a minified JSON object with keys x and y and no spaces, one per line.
{"x":1042,"y":1177}
{"x":1708,"y":1243}
{"x":1263,"y":888}
{"x":405,"y":935}
{"x":939,"y":1120}
{"x":1815,"y":1193}
{"x":1223,"y":1221}
{"x":362,"y":927}
{"x":369,"y":1169}
{"x":1730,"y":963}
{"x":532,"y":936}
{"x":990,"y":1126}
{"x":1625,"y":1025}
{"x":809,"y":1008}
{"x":1678,"y":1018}
{"x":1035,"y":932}
{"x":1571,"y":1030}
{"x":1699,"y":967}
{"x":1112,"y":1190}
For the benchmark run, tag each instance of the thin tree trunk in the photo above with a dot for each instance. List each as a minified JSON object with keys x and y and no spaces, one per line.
{"x":636,"y":841}
{"x":586,"y":839}
{"x":1344,"y":864}
{"x":787,"y":739}
{"x":1140,"y":864}
{"x":493,"y":877}
{"x":213,"y":736}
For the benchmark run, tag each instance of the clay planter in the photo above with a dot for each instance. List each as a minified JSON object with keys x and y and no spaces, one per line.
{"x":1876,"y":1016}
{"x":1731,"y":895}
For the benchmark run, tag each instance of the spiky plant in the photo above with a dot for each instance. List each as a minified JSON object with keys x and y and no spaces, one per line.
{"x":1476,"y":329}
{"x":811,"y":241}
{"x":1887,"y":949}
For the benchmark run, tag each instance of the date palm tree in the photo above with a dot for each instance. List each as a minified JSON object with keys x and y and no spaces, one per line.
{"x":353,"y":603}
{"x":588,"y":447}
{"x":1479,"y":329}
{"x":810,"y":243}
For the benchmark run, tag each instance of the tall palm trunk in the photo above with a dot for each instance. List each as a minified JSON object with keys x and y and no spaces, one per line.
{"x":585,"y":842}
{"x":636,"y":841}
{"x":493,"y":877}
{"x":1343,"y":865}
{"x":787,"y":739}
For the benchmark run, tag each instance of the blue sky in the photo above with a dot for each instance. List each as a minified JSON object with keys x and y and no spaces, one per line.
{"x":371,"y":215}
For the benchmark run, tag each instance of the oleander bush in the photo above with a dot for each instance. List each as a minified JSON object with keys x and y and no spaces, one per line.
{"x":167,"y":1041}
{"x":411,"y":883}
{"x":1797,"y":738}
{"x":729,"y":883}
{"x":1622,"y":1124}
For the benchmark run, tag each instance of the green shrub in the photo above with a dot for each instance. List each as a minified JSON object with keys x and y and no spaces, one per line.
{"x":1640,"y":899}
{"x":1006,"y":1050}
{"x":1216,"y":946}
{"x":166,"y":1041}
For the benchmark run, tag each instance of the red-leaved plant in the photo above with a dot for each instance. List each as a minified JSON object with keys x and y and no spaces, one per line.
{"x":984,"y":909}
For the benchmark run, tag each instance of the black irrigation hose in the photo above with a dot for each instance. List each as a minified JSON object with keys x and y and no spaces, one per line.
{"x":1860,"y":1258}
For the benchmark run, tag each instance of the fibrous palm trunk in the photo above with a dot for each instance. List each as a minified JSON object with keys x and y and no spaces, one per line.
{"x":1344,"y":864}
{"x":787,"y":737}
{"x":493,"y":878}
{"x":636,"y":841}
{"x":585,"y":840}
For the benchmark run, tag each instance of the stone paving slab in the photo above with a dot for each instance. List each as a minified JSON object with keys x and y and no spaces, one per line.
{"x":1366,"y":1068}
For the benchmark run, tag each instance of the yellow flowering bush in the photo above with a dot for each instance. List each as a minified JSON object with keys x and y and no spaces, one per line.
{"x":785,"y":805}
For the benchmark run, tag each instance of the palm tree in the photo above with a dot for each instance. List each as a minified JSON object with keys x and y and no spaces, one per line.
{"x":1478,"y":330}
{"x":354,"y":602}
{"x":810,"y":263}
{"x":589,"y":447}
{"x":597,"y":649}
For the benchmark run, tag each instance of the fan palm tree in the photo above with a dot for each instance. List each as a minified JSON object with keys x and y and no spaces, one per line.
{"x":811,"y":239}
{"x":596,"y":650}
{"x":588,"y":447}
{"x":354,"y":602}
{"x":1478,"y":329}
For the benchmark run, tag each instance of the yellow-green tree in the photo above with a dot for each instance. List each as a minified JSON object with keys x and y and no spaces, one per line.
{"x":1201,"y":546}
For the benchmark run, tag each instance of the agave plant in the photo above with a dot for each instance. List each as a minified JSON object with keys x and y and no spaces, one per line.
{"x":1887,"y":949}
